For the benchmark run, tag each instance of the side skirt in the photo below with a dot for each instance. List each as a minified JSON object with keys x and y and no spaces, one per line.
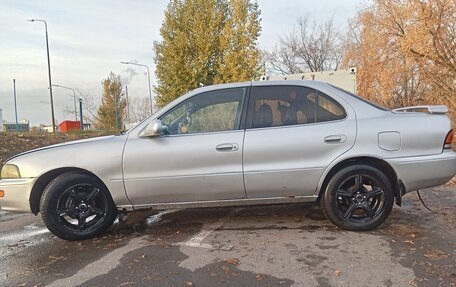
{"x":221,"y":203}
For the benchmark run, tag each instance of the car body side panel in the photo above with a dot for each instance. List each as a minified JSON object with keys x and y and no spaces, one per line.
{"x":425,"y":171}
{"x":421,"y":137}
{"x":183,"y":168}
{"x":17,"y":194}
{"x":100,"y":156}
{"x":288,"y":161}
{"x":414,"y":134}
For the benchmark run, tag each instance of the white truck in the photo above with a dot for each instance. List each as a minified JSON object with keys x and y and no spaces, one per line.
{"x":345,"y":79}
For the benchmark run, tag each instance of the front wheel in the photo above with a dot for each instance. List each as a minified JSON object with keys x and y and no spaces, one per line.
{"x":77,"y":206}
{"x":358,"y":198}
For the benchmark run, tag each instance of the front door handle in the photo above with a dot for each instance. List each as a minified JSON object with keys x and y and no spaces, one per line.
{"x":335,"y":139}
{"x":227,"y":147}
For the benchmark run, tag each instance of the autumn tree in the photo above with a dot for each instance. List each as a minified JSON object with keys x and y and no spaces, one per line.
{"x":405,"y":52}
{"x":239,"y":56}
{"x":430,"y":40}
{"x":206,"y":42}
{"x":113,"y":104}
{"x":309,"y":47}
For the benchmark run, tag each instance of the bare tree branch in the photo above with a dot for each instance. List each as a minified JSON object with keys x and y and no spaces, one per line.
{"x":308,"y":47}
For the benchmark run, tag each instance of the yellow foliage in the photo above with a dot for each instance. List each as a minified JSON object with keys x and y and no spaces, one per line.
{"x":206,"y":42}
{"x":405,"y":51}
{"x":113,"y":104}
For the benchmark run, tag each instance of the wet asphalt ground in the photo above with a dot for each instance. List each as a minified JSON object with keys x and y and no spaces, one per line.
{"x":283,"y":245}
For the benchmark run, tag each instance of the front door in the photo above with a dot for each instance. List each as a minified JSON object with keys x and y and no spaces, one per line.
{"x":197,"y":158}
{"x":293,"y":133}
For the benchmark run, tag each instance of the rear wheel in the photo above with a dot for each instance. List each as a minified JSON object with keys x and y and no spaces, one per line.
{"x":77,"y":206}
{"x":358,"y":197}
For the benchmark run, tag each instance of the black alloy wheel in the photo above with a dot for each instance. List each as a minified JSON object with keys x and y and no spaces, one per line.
{"x":358,"y":197}
{"x":76,"y":206}
{"x":82,"y":207}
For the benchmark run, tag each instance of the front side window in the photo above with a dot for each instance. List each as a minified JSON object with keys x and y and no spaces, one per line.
{"x":207,"y":112}
{"x":272,"y":106}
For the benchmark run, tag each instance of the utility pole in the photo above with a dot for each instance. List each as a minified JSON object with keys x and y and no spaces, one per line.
{"x":80,"y":114}
{"x":15,"y":104}
{"x":128,"y":104}
{"x":148,"y":78}
{"x":49,"y":71}
{"x":117,"y":120}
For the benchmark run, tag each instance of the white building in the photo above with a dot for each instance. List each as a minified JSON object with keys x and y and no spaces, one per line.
{"x":345,"y":79}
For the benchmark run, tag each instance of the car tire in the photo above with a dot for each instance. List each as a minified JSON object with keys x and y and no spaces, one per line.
{"x":358,"y":198}
{"x":77,"y":206}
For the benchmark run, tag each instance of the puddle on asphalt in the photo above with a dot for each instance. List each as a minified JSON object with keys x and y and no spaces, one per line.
{"x":157,"y":218}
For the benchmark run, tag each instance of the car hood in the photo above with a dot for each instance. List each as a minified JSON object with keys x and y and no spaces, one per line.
{"x":63,"y":145}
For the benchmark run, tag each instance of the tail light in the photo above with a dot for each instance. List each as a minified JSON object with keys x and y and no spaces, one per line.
{"x":449,"y":140}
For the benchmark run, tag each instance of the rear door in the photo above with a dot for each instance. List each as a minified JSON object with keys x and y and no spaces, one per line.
{"x":293,"y":133}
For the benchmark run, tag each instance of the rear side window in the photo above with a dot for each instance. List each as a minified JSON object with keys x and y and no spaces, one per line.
{"x":272,"y":106}
{"x":361,"y":99}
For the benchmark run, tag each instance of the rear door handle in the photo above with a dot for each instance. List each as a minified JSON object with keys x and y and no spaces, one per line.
{"x":335,"y":139}
{"x":227,"y":147}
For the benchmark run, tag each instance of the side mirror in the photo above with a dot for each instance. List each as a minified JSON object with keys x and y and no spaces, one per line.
{"x":153,"y":129}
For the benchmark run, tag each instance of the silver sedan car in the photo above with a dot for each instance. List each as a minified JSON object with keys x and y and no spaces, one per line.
{"x":240,"y":144}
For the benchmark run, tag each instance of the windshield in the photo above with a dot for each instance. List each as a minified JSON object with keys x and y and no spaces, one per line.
{"x":361,"y":99}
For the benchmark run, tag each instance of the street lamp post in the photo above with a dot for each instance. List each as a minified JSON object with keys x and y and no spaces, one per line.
{"x":15,"y":105}
{"x":74,"y":99}
{"x":148,"y":78}
{"x":49,"y":71}
{"x":80,"y":113}
{"x":117,"y":115}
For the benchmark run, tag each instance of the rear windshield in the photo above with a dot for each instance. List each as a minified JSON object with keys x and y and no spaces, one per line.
{"x":361,"y":99}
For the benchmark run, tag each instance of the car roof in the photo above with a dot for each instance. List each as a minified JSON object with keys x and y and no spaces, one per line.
{"x":308,"y":83}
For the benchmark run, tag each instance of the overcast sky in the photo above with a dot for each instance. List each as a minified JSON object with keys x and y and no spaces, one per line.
{"x":88,"y":39}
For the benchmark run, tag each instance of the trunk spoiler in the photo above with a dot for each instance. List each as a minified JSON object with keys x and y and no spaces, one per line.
{"x":424,"y":109}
